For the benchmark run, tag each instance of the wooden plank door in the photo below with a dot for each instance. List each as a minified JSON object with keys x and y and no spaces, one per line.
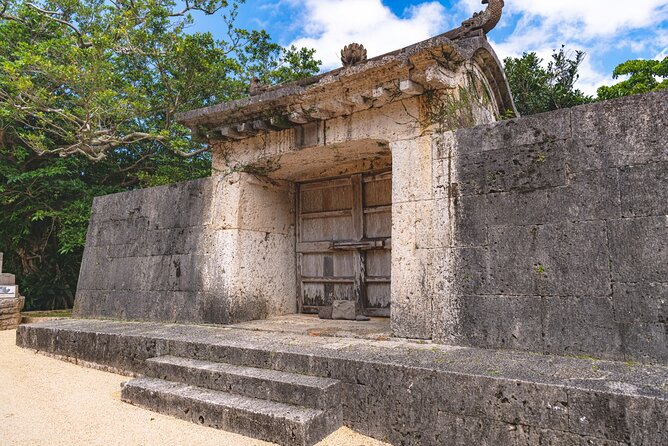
{"x":344,"y":241}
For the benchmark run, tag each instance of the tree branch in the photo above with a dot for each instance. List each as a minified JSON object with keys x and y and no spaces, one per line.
{"x":49,"y":14}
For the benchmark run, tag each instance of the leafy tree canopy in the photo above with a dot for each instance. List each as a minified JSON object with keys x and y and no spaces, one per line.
{"x":91,"y":76}
{"x":537,"y":88}
{"x":100,"y":81}
{"x":643,"y":76}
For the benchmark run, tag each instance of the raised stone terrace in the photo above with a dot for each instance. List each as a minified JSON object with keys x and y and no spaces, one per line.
{"x":297,"y":387}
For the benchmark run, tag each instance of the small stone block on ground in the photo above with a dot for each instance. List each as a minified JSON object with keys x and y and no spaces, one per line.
{"x":344,"y":309}
{"x":325,"y":313}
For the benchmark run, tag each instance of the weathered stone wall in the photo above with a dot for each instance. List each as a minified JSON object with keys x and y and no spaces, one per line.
{"x":547,"y":233}
{"x":205,"y":251}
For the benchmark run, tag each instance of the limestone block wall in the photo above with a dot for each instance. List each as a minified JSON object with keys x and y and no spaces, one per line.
{"x":547,"y":233}
{"x":205,"y":251}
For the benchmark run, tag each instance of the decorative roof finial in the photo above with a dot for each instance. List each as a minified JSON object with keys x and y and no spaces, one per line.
{"x":353,"y":54}
{"x":483,"y":22}
{"x":255,"y":88}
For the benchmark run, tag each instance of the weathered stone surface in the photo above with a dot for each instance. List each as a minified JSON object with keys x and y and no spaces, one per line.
{"x":265,"y":420}
{"x":267,"y":384}
{"x":641,"y":302}
{"x":619,"y":133}
{"x":411,"y":170}
{"x":7,"y":279}
{"x":522,"y":168}
{"x":214,"y":250}
{"x":11,"y":302}
{"x":593,"y":195}
{"x":556,"y":259}
{"x":645,"y":190}
{"x":639,"y":249}
{"x":325,"y":313}
{"x":567,"y":225}
{"x":530,"y":130}
{"x":408,"y":393}
{"x":581,"y":325}
{"x":517,"y":322}
{"x":344,"y":309}
{"x":645,"y":342}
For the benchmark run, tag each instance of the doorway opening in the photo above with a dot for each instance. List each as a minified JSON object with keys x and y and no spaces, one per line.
{"x":344,"y":242}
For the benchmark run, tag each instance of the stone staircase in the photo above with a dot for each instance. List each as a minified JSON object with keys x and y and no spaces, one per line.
{"x":270,"y":405}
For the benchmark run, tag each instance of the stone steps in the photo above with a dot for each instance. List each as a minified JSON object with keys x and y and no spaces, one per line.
{"x":272,"y":385}
{"x":284,"y":408}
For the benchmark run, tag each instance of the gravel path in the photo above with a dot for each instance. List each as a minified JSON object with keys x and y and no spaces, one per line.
{"x":48,"y":402}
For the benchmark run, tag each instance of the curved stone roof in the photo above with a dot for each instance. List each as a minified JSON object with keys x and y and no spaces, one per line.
{"x":390,"y":77}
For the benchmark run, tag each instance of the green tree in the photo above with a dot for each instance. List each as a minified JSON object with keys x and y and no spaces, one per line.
{"x":538,"y":88}
{"x":643,"y":76}
{"x":88,"y":93}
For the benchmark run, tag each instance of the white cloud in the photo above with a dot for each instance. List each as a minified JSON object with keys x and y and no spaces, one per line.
{"x":595,"y":17}
{"x":594,"y":26}
{"x":328,"y":25}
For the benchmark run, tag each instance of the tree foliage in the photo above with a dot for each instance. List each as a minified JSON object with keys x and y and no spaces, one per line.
{"x":643,"y":76}
{"x":100,"y":81}
{"x":91,"y":76}
{"x":538,"y":88}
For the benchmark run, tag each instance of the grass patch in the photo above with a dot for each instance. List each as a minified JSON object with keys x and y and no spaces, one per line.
{"x":52,"y":313}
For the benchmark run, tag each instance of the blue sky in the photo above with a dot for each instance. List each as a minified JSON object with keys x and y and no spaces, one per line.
{"x":609,"y":31}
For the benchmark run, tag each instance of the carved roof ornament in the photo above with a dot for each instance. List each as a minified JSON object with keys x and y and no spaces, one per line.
{"x":353,"y":54}
{"x":482,"y":22}
{"x":256,"y":87}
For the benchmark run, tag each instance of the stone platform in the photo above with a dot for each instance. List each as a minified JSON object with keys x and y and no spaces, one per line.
{"x":403,"y":392}
{"x":378,"y":328}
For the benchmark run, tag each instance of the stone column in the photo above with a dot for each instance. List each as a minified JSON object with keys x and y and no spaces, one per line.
{"x":417,"y":231}
{"x":257,"y":217}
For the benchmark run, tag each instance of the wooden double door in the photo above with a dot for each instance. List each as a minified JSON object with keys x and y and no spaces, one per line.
{"x":344,"y":230}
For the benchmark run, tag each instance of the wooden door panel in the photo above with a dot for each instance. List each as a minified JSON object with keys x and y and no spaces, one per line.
{"x":379,"y":263}
{"x":316,"y":295}
{"x":337,"y":264}
{"x":342,"y":223}
{"x":378,"y":224}
{"x":327,"y":196}
{"x":378,"y":295}
{"x":333,"y":228}
{"x":378,"y":190}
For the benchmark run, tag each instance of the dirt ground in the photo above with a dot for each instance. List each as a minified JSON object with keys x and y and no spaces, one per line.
{"x":48,"y":402}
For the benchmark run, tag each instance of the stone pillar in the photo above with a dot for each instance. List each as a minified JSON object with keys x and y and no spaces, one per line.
{"x":416,"y":233}
{"x":258,"y":216}
{"x":11,"y":303}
